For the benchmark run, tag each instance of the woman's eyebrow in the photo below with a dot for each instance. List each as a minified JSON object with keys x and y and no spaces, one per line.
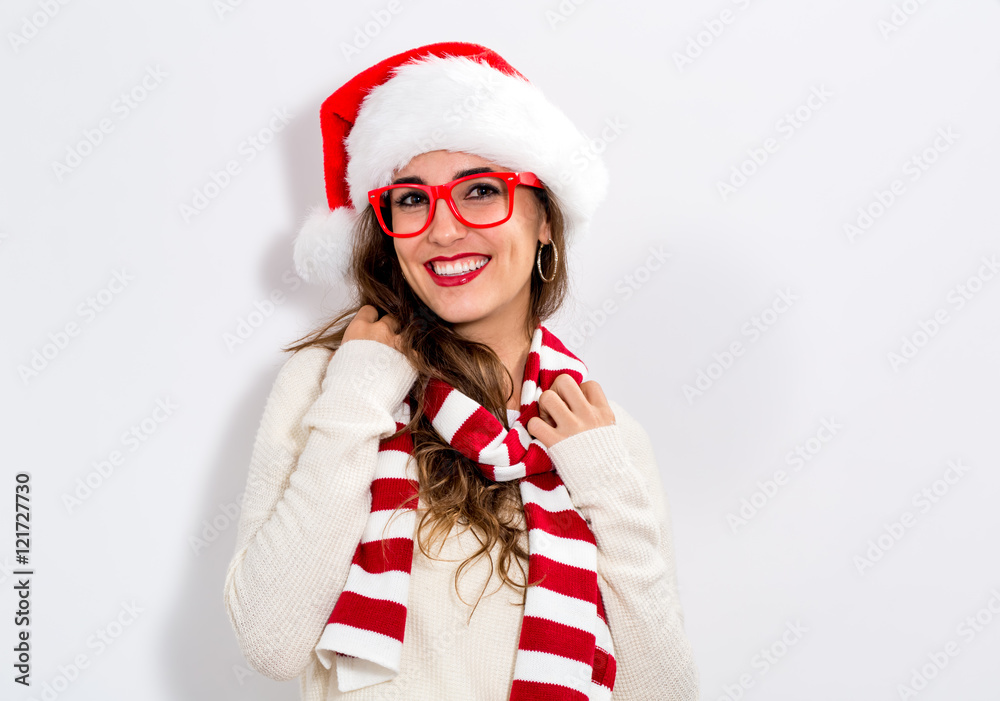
{"x":417,"y":180}
{"x":472,"y":171}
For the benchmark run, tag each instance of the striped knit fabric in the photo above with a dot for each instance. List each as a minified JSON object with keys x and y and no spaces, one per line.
{"x":565,"y":650}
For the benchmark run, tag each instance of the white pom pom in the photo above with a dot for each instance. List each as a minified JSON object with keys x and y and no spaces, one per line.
{"x":323,"y":245}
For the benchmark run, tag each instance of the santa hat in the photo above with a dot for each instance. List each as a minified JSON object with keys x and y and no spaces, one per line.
{"x":454,"y":96}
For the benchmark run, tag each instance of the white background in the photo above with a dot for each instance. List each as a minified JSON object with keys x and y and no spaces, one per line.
{"x":827,"y":356}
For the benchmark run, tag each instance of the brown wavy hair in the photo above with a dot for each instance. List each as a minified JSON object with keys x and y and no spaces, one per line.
{"x":451,"y":485}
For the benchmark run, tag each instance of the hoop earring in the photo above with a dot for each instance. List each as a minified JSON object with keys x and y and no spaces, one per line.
{"x":538,"y":261}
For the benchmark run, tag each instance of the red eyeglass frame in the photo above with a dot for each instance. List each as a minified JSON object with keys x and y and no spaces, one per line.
{"x":443,"y":192}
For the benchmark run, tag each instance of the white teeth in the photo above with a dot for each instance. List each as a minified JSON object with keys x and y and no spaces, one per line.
{"x":459,"y":269}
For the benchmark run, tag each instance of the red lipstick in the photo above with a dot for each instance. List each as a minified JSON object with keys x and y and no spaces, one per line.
{"x":453,"y":280}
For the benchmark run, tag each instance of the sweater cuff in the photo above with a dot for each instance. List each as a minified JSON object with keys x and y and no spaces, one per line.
{"x":595,"y":464}
{"x":365,"y":377}
{"x":376,"y":369}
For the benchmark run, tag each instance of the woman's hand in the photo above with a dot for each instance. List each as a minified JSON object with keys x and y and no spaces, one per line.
{"x":568,"y":408}
{"x":367,"y":325}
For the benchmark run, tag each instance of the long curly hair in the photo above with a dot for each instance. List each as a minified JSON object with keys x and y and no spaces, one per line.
{"x":450,"y":484}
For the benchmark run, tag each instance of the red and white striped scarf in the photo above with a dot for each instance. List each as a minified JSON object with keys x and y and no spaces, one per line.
{"x":565,"y":649}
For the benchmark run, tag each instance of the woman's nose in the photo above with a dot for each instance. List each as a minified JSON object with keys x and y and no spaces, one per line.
{"x":444,"y":226}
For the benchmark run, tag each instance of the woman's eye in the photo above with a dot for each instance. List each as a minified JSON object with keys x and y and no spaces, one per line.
{"x":409,"y":199}
{"x":479,"y":191}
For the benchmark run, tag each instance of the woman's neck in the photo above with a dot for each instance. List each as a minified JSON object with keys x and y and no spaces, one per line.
{"x":514,"y":356}
{"x":514,"y":359}
{"x":511,"y":347}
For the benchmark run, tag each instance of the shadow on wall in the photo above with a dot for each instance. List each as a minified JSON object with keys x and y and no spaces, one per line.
{"x":202,"y":660}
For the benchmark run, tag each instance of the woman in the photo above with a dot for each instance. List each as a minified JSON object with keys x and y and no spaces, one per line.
{"x":438,"y":421}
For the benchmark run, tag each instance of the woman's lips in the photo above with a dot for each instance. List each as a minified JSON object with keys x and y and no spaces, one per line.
{"x":452,"y":280}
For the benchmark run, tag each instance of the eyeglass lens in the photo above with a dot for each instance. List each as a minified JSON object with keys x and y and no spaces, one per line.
{"x":483,"y":201}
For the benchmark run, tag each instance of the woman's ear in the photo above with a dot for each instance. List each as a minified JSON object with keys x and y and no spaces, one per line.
{"x":545,"y":232}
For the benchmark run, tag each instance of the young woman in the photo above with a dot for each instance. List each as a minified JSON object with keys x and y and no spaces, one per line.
{"x":440,"y":504}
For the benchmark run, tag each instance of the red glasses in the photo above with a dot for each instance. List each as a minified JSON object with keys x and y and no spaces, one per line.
{"x":479,"y":201}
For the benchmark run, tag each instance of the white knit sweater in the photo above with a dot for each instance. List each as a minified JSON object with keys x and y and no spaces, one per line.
{"x":306,"y":504}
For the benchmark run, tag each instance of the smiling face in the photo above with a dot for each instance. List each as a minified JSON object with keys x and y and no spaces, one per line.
{"x":485,"y":302}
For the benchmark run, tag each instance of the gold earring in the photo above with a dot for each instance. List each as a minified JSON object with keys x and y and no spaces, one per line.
{"x":538,"y":261}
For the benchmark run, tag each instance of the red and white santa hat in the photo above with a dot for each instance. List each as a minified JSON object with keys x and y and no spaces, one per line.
{"x":454,"y":96}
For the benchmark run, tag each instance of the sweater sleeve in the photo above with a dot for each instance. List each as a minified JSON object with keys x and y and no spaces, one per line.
{"x":308,"y":497}
{"x":613,"y":480}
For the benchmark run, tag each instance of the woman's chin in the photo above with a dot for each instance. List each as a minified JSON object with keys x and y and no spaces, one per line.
{"x":457,"y":313}
{"x":456,"y":317}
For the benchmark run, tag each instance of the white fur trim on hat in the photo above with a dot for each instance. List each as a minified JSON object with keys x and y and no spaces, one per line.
{"x":323,"y":246}
{"x":459,"y":104}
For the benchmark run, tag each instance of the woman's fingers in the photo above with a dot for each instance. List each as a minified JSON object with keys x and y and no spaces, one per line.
{"x":367,"y":325}
{"x":567,"y":388}
{"x":557,"y":411}
{"x":543,"y":414}
{"x":594,"y":394}
{"x":391,"y":322}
